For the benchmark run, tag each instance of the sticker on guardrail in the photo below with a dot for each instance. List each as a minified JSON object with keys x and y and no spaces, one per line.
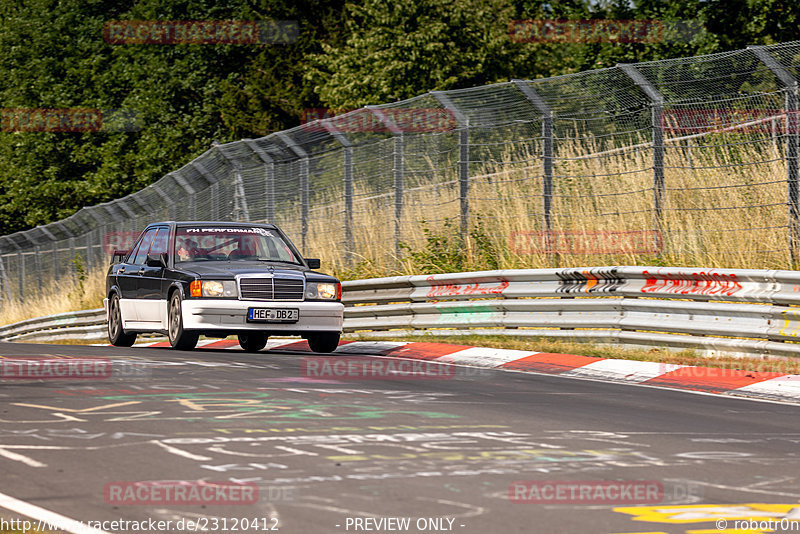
{"x":599,"y":280}
{"x":686,"y":282}
{"x":447,"y":289}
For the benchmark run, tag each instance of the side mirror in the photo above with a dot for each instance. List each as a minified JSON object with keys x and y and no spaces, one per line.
{"x":118,"y":254}
{"x":156,"y":260}
{"x":313,"y":263}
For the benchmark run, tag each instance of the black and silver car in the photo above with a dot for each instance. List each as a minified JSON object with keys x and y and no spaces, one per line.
{"x":186,"y":279}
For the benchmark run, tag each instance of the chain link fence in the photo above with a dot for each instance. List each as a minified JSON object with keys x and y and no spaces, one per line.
{"x":684,"y":162}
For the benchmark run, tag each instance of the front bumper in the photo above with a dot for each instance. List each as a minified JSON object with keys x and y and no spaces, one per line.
{"x":223,"y":314}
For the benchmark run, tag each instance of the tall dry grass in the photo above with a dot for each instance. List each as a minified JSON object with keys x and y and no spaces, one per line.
{"x":63,"y":295}
{"x":723,"y":207}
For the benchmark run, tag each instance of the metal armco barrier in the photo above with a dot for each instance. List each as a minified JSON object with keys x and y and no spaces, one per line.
{"x":710,"y":310}
{"x":85,"y":324}
{"x":713,"y":311}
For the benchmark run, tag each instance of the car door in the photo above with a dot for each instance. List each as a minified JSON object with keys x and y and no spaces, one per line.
{"x":127,"y":282}
{"x":151,"y":304}
{"x":131,"y":280}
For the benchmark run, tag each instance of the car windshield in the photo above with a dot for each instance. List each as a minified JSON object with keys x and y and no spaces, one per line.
{"x":197,"y":243}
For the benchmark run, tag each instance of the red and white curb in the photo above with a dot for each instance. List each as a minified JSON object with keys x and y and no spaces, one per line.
{"x":754,"y":384}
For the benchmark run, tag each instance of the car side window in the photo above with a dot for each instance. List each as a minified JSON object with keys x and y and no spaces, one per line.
{"x":161,"y":242}
{"x":144,"y":246}
{"x":133,"y":252}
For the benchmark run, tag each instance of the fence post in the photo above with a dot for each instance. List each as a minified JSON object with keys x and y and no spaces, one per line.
{"x":398,"y":172}
{"x":21,"y":273}
{"x":547,"y":157}
{"x":792,"y":184}
{"x":167,"y":201}
{"x":304,"y":184}
{"x":463,"y":159}
{"x":213,"y":183}
{"x":4,"y":280}
{"x":269,"y":178}
{"x":347,"y":147}
{"x":53,"y":240}
{"x":657,"y":102}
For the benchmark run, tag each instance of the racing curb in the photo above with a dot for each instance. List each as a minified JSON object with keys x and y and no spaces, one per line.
{"x":722,"y":381}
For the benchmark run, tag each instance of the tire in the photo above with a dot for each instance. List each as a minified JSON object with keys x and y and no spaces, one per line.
{"x":323,"y":341}
{"x":253,"y":341}
{"x":116,"y":335}
{"x":179,"y":338}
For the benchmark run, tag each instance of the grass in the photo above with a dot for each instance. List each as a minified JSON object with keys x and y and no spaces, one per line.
{"x":66,"y":294}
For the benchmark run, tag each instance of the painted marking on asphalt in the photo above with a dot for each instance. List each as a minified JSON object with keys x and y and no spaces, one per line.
{"x":625,"y":370}
{"x":712,"y":379}
{"x":425,"y":351}
{"x":180,"y":452}
{"x":20,"y":458}
{"x":783,"y":386}
{"x":46,"y":516}
{"x":483,"y":356}
{"x":550,"y":363}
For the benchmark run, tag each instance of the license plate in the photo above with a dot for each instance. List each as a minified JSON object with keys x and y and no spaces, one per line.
{"x":273,"y":315}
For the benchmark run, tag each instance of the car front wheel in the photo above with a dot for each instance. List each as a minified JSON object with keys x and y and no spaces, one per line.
{"x":116,"y":335}
{"x":323,"y":341}
{"x":178,"y":337}
{"x":253,"y":342}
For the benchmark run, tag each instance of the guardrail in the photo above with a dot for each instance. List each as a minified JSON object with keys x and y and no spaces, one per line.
{"x":752,"y":312}
{"x":744,"y":312}
{"x":84,"y":324}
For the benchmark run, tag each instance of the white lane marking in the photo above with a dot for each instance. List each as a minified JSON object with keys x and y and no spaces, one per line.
{"x":48,"y":518}
{"x":179,"y":452}
{"x":21,"y":458}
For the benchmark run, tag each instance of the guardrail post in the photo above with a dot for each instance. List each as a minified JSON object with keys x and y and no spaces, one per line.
{"x":547,"y":157}
{"x":657,"y":100}
{"x":305,"y":193}
{"x":792,"y":182}
{"x":463,"y":159}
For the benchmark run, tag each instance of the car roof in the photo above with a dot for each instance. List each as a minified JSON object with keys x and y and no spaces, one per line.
{"x":212,"y":223}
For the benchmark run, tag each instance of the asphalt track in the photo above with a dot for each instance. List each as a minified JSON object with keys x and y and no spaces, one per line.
{"x":356,"y":455}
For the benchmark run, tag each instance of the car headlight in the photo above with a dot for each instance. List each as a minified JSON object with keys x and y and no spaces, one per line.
{"x":323,"y":290}
{"x":213,"y":288}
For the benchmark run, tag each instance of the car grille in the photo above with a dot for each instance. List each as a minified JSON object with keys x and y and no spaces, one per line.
{"x":271,"y":288}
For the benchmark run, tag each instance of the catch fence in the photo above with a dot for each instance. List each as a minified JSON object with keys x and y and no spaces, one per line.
{"x":688,"y":161}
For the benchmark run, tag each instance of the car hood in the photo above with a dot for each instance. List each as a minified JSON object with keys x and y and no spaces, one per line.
{"x":224,"y":269}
